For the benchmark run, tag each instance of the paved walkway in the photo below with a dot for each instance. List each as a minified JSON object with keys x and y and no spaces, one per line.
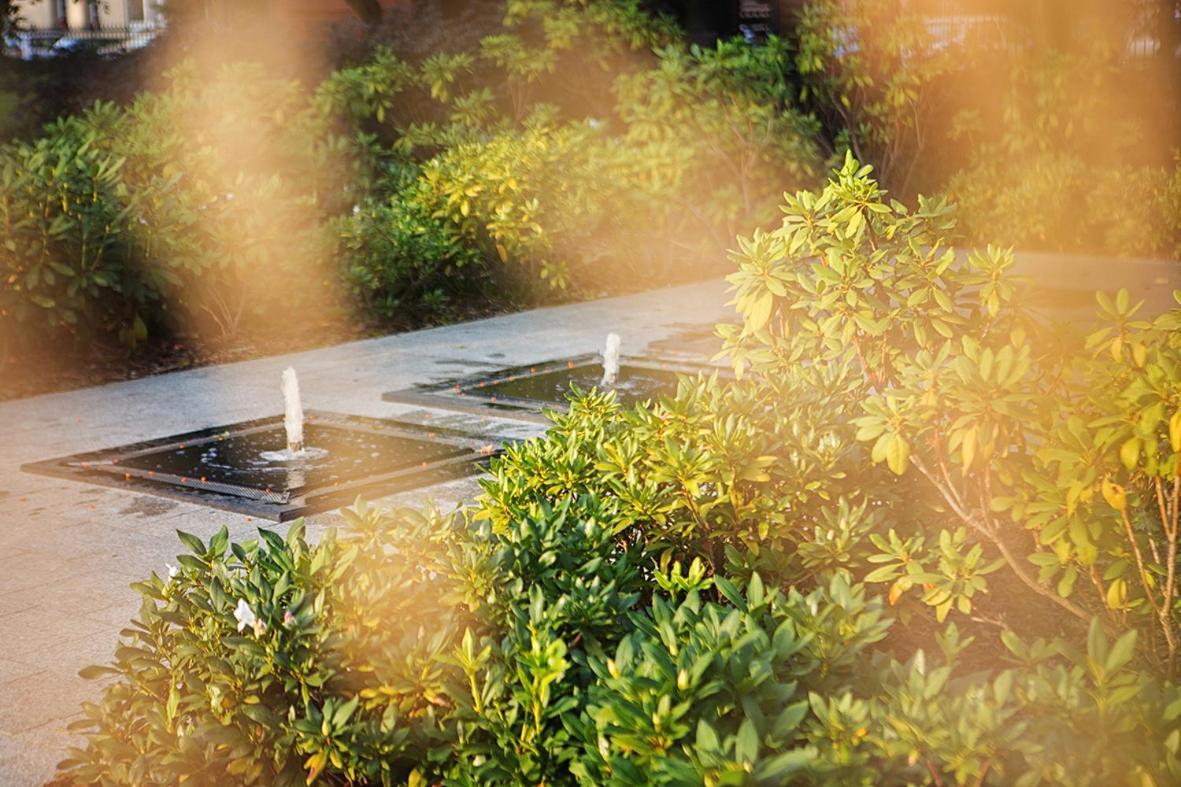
{"x":69,"y":550}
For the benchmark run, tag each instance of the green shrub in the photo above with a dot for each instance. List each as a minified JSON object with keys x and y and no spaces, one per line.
{"x":400,"y":262}
{"x":499,"y":192}
{"x":793,"y":578}
{"x":70,"y":261}
{"x":1062,"y":175}
{"x":234,"y":672}
{"x":721,"y":121}
{"x":568,"y":184}
{"x":254,"y":170}
{"x":874,"y":72}
{"x":197,"y":207}
{"x":1056,"y":202}
{"x":965,"y":395}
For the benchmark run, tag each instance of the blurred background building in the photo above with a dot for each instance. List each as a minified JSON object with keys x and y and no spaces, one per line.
{"x":50,"y":27}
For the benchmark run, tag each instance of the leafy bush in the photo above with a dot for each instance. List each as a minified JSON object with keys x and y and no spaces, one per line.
{"x":1120,"y":211}
{"x":792,"y":578}
{"x":1067,"y":170}
{"x":195,"y":207}
{"x":68,"y":258}
{"x":965,"y":396}
{"x":570,"y":184}
{"x":253,"y":686}
{"x":721,"y":121}
{"x":400,"y":262}
{"x":254,"y":169}
{"x":548,"y":201}
{"x":873,"y":72}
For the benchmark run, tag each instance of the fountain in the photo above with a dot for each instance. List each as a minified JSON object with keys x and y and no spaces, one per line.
{"x":610,"y":361}
{"x":526,"y":392}
{"x":292,"y":412}
{"x":267,"y":468}
{"x":293,"y":421}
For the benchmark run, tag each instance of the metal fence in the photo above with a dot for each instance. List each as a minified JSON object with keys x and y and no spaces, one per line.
{"x":991,"y":32}
{"x":1135,"y":24}
{"x":33,"y":44}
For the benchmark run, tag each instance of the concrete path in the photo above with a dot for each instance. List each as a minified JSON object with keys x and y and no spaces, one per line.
{"x":69,"y":550}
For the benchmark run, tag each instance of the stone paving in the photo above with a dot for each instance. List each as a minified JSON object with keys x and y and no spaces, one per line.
{"x":68,"y":550}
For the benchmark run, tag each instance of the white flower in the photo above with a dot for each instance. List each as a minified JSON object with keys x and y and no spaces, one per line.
{"x":244,"y":615}
{"x":172,"y":570}
{"x":229,"y":196}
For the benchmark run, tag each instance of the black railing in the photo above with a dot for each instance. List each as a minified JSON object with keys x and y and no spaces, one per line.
{"x":32,"y":44}
{"x":986,"y":22}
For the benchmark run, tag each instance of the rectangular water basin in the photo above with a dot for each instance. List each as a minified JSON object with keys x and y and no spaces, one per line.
{"x":526,"y":392}
{"x":224,"y":467}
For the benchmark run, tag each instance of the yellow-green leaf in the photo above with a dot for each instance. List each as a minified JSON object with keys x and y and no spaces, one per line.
{"x":1115,"y":495}
{"x":897,"y":455}
{"x":968,"y":448}
{"x":1129,"y":452}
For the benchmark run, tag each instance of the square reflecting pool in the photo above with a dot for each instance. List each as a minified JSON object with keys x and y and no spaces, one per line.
{"x":243,"y":467}
{"x":526,"y":392}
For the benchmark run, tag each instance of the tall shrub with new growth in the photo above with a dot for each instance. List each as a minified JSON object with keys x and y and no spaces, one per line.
{"x":794,"y":578}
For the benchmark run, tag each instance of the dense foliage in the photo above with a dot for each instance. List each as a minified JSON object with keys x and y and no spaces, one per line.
{"x":1051,"y":131}
{"x":579,"y":147}
{"x":197,"y":206}
{"x":922,"y":539}
{"x":875,"y":73}
{"x":1070,"y":170}
{"x":552,"y":158}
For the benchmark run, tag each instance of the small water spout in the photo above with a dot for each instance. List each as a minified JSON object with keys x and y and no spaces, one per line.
{"x":610,"y":360}
{"x":293,"y":425}
{"x":293,"y":412}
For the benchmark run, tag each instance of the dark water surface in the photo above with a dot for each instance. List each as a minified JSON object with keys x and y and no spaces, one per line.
{"x":634,"y":384}
{"x":236,"y":458}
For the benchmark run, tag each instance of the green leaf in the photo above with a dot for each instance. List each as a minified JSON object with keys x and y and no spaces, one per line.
{"x":345,"y":712}
{"x":195,"y":545}
{"x":746,"y":749}
{"x":1096,"y":642}
{"x":730,"y":592}
{"x":96,"y":671}
{"x":707,"y":739}
{"x":1129,"y":453}
{"x":1121,"y":652}
{"x":780,"y":768}
{"x":758,"y":313}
